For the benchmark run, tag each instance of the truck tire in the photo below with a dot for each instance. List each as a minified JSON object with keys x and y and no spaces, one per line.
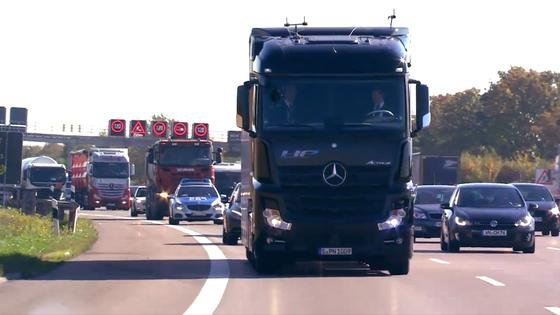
{"x":399,"y":267}
{"x":265,"y":264}
{"x":555,"y":232}
{"x":545,"y":232}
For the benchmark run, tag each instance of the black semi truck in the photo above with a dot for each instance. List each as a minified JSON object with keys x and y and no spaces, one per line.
{"x":326,"y":152}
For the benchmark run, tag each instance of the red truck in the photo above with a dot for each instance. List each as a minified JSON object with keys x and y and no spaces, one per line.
{"x":101,"y":178}
{"x":167,"y":162}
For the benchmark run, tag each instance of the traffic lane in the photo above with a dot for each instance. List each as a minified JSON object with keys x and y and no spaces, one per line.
{"x":134,"y":267}
{"x":434,"y":286}
{"x":530,"y":280}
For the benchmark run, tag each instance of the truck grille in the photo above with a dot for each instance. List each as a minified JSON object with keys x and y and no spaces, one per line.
{"x":313,"y":176}
{"x":198,"y":207}
{"x":105,"y":190}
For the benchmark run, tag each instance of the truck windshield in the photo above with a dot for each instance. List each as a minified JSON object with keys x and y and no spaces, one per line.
{"x":197,"y":191}
{"x":110,"y":170}
{"x":185,"y":155}
{"x":47,"y":174}
{"x":333,"y":103}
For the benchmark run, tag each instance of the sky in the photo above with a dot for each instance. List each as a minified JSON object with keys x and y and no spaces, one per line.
{"x":82,"y":63}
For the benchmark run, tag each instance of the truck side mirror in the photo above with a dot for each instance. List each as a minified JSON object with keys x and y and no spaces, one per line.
{"x":132,"y":169}
{"x":246,"y":98}
{"x":243,"y":107}
{"x":423,"y":116}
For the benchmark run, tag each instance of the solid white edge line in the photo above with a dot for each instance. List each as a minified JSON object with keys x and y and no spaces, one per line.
{"x":553,"y":248}
{"x":212,"y":292}
{"x":553,"y":309}
{"x":440,"y":261}
{"x":491,"y":281}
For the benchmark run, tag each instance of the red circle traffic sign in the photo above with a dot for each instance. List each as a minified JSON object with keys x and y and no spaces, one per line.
{"x":200,"y":130}
{"x":180,"y":129}
{"x":159,"y":128}
{"x":117,"y":126}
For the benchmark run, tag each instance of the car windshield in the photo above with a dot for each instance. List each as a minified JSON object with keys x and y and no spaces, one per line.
{"x":535,"y":193}
{"x":141,"y":192}
{"x":110,"y":170}
{"x":47,"y":174}
{"x":225,"y":181}
{"x":185,"y":155}
{"x":433,"y":195}
{"x":197,"y":191}
{"x":333,"y":103}
{"x":489,"y":197}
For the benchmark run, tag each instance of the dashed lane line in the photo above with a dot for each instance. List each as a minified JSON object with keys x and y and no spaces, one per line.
{"x":554,"y":310}
{"x":553,"y":248}
{"x":440,"y":261}
{"x":491,"y":281}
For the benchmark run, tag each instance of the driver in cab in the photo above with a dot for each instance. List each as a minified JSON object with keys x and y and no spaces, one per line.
{"x":379,"y":110}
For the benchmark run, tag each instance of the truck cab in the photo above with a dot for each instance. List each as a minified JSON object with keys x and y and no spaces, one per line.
{"x":327,"y":146}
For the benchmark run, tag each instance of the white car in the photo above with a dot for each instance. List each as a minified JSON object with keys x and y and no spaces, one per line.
{"x":138,"y":204}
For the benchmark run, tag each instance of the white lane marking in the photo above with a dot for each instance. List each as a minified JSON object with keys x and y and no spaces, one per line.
{"x":554,"y":310}
{"x":209,"y":297}
{"x":553,"y":248}
{"x":212,"y":292}
{"x":491,"y":281}
{"x":440,"y":261}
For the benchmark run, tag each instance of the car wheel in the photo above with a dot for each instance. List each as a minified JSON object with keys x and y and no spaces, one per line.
{"x":133,"y":212}
{"x":530,"y":249}
{"x":173,"y":221}
{"x":219,"y":221}
{"x":554,"y":232}
{"x":228,"y":238}
{"x":454,"y":246}
{"x":545,"y":232}
{"x":399,"y":267}
{"x":443,"y":244}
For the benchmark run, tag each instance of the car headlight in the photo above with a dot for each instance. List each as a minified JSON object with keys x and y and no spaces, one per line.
{"x":218,"y":207}
{"x":554,"y":211}
{"x":178,"y":206}
{"x":525,"y":221}
{"x":461,"y":222}
{"x":419,"y":215}
{"x":273,"y":219}
{"x":395,"y":219}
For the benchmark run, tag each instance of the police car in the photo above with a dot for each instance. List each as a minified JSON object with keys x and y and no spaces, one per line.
{"x":196,"y":200}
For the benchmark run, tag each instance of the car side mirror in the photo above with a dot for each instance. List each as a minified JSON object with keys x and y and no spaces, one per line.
{"x":224,"y":198}
{"x":445,"y":206}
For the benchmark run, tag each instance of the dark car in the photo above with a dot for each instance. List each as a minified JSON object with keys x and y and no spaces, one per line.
{"x":232,"y":218}
{"x":546,"y":214}
{"x":487,"y":215}
{"x":427,"y":209}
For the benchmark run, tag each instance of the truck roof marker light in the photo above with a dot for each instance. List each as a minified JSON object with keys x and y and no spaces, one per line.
{"x":267,"y":70}
{"x":399,"y":69}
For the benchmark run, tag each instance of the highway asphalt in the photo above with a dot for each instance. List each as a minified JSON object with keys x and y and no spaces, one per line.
{"x":145,"y":267}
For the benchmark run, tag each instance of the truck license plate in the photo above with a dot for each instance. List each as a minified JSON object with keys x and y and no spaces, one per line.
{"x":494,"y":232}
{"x":335,"y":251}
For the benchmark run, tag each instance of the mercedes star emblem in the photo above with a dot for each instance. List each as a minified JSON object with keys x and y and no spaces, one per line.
{"x":334,"y":174}
{"x":493,"y":223}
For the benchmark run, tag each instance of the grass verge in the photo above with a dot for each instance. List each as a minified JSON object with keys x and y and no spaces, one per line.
{"x":28,"y":247}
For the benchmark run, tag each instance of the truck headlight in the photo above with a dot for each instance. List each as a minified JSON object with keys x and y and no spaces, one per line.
{"x":395,"y":219}
{"x":461,"y":222}
{"x":273,"y":219}
{"x":554,"y":211}
{"x":420,"y":215}
{"x":525,"y":221}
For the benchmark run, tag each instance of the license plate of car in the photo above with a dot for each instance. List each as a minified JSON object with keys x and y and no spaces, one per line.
{"x":198,"y":214}
{"x":538,"y":219}
{"x":494,"y":232}
{"x":335,"y":251}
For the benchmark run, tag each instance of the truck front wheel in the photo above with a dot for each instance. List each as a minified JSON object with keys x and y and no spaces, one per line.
{"x":264,"y":263}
